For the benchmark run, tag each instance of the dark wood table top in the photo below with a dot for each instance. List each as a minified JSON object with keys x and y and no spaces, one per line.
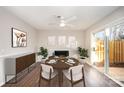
{"x":61,"y":63}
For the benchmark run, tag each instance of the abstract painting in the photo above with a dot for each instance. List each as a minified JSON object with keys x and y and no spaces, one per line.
{"x":19,"y":38}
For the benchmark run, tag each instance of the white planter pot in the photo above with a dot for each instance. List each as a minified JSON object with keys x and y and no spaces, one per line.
{"x":82,"y":61}
{"x":39,"y":59}
{"x":43,"y":60}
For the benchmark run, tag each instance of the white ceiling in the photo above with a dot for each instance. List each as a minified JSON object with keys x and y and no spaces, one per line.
{"x":40,"y":16}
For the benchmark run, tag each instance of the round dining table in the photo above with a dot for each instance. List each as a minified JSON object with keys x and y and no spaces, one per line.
{"x":60,"y":65}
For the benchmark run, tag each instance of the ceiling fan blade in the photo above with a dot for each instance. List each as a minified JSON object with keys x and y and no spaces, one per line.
{"x":54,"y":18}
{"x":69,"y":19}
{"x":70,"y":25}
{"x":52,"y":23}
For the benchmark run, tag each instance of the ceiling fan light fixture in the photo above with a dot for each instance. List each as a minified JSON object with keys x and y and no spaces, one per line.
{"x":62,"y":24}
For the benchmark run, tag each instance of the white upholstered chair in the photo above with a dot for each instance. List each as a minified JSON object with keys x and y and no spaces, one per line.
{"x":47,"y":72}
{"x":75,"y":74}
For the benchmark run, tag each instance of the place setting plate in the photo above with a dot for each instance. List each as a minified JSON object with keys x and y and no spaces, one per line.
{"x":51,"y":62}
{"x":70,"y":62}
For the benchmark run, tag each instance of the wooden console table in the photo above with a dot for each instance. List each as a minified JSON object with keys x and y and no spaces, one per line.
{"x":16,"y":64}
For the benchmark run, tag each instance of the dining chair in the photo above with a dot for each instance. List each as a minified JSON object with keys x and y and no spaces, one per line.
{"x":47,"y":73}
{"x":75,"y":74}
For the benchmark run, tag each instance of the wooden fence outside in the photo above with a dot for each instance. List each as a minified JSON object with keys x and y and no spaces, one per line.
{"x":116,"y":51}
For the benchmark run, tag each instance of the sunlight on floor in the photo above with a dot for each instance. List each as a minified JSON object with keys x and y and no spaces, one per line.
{"x":115,"y":72}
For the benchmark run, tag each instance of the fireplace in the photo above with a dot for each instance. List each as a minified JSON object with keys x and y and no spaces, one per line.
{"x":61,"y":53}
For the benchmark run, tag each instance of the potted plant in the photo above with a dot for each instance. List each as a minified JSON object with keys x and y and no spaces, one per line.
{"x":43,"y":52}
{"x":83,"y":52}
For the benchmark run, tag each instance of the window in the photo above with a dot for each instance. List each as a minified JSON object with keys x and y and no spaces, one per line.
{"x":62,"y":40}
{"x":72,"y":43}
{"x":51,"y":41}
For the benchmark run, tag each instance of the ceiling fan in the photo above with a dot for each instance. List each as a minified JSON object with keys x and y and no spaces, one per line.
{"x":63,"y":21}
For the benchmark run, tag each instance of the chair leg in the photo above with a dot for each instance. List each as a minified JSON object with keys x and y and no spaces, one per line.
{"x":71,"y":78}
{"x":83,"y":76}
{"x":84,"y":82}
{"x":50,"y":78}
{"x":39,"y":82}
{"x":40,"y":76}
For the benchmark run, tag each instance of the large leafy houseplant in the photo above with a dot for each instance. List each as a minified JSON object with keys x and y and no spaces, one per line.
{"x":43,"y":52}
{"x":83,"y":52}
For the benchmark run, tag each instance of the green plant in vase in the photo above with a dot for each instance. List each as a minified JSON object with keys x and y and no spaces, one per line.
{"x":43,"y":52}
{"x":83,"y":52}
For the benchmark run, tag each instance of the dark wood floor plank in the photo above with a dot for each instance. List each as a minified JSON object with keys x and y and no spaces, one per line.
{"x":93,"y":78}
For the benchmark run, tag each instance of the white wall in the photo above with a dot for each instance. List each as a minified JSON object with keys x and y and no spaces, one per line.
{"x":7,"y":21}
{"x":119,"y":13}
{"x":43,"y":40}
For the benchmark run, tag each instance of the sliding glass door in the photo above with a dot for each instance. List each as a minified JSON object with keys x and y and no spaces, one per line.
{"x":116,"y":59}
{"x":98,"y":50}
{"x":108,"y":51}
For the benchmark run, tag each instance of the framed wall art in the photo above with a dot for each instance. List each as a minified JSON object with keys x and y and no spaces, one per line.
{"x":19,"y":38}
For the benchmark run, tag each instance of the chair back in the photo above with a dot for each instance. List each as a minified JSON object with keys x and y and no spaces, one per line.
{"x":76,"y":69}
{"x":77,"y":72}
{"x":46,"y":68}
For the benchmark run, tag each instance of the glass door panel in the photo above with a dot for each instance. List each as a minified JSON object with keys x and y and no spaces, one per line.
{"x":108,"y":51}
{"x":98,"y":50}
{"x":116,"y":54}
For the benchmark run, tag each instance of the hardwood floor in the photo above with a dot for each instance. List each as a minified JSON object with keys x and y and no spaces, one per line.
{"x":93,"y":78}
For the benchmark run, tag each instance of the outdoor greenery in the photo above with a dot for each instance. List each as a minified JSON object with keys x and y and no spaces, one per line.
{"x":83,"y":52}
{"x":43,"y":52}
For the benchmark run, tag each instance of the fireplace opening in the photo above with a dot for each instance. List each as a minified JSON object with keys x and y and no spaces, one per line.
{"x":61,"y":53}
